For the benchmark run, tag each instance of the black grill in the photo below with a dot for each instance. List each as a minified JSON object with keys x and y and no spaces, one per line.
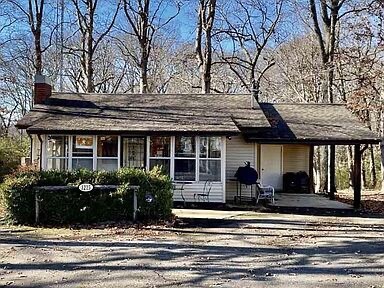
{"x":246,"y":174}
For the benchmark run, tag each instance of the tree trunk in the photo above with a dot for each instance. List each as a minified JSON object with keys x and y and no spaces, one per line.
{"x":317,"y":168}
{"x":382,"y":144}
{"x":144,"y":70}
{"x":324,"y":167}
{"x":350,"y":165}
{"x":38,"y":53}
{"x":363,"y":171}
{"x":372,"y":167}
{"x":205,"y":19}
{"x":382,"y":164}
{"x":255,"y":87}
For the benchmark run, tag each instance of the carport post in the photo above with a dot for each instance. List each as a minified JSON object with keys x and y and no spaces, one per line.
{"x":357,"y":178}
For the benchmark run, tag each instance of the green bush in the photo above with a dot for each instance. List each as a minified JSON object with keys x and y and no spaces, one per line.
{"x":11,"y":151}
{"x":72,"y":206}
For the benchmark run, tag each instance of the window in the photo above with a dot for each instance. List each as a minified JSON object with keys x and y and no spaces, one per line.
{"x":185,"y":158}
{"x":160,"y":153}
{"x":57,"y":152}
{"x":82,"y":152}
{"x":133,"y":152}
{"x":107,"y":153}
{"x":210,"y":159}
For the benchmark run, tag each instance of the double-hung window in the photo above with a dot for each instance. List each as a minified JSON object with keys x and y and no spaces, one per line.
{"x":82,"y":152}
{"x":57,"y":152}
{"x":107,"y":153}
{"x":210,"y":159}
{"x":185,"y":159}
{"x":160,"y":153}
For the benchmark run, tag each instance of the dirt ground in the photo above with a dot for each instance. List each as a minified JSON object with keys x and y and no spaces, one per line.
{"x":371,"y":201}
{"x":247,"y":250}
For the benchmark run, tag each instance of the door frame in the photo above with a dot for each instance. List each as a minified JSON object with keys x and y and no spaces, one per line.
{"x":281,"y":161}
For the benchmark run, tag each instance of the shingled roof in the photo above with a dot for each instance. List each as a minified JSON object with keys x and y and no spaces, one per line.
{"x":223,"y":114}
{"x":316,"y":123}
{"x":143,"y":113}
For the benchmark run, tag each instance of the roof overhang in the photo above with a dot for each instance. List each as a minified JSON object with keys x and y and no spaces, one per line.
{"x":316,"y":142}
{"x":130,"y":133}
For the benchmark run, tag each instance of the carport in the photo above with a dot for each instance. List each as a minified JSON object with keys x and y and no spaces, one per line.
{"x":317,"y":125}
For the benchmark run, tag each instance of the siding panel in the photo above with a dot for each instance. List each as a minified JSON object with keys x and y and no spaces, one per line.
{"x":216,"y":194}
{"x":238,"y":152}
{"x":296,"y":158}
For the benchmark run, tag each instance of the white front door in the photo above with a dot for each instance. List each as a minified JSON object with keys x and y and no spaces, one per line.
{"x":271,"y":166}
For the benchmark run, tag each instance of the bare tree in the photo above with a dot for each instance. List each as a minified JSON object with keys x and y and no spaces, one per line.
{"x":249,"y":27}
{"x":89,"y":39}
{"x":203,"y":42}
{"x":34,"y":13}
{"x":145,"y":18}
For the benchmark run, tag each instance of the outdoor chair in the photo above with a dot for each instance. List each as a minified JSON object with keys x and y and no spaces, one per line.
{"x":181,"y":189}
{"x":205,"y":194}
{"x":265,"y":192}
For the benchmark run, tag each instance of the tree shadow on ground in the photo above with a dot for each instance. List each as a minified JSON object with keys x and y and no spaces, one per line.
{"x":200,"y":261}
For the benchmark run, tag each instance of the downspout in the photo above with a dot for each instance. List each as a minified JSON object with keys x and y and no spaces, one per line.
{"x":31,"y":152}
{"x":41,"y":151}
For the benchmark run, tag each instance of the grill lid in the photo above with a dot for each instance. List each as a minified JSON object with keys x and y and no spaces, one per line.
{"x":246,"y":174}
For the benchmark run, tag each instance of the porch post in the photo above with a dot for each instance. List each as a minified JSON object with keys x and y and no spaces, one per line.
{"x":357,"y":178}
{"x":331,"y":171}
{"x":311,"y":180}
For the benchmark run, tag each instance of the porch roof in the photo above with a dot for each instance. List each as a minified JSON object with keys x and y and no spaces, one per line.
{"x":311,"y":123}
{"x":224,"y":114}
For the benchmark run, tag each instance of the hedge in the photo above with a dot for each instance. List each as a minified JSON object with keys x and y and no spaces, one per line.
{"x":71,"y":206}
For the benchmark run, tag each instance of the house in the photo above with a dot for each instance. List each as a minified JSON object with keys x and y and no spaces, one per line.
{"x":194,"y":137}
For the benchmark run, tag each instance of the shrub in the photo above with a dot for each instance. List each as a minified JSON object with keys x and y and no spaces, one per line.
{"x":71,"y":206}
{"x":11,"y":151}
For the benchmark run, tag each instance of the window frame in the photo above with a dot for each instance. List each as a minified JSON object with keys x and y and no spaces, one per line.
{"x":47,"y":158}
{"x":94,"y":165}
{"x":117,"y":158}
{"x":170,"y":157}
{"x":70,"y":157}
{"x":148,"y":158}
{"x":220,"y":159}
{"x":197,"y":159}
{"x":184,"y":158}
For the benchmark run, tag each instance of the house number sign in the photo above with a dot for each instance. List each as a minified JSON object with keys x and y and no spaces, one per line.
{"x":85,"y":187}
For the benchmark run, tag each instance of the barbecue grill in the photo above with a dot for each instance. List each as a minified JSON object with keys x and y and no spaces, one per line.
{"x":248,"y":176}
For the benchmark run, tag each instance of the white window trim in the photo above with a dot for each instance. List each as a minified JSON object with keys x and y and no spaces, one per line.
{"x":170,"y":158}
{"x":185,"y":158}
{"x":222,"y":159}
{"x":96,"y":158}
{"x":44,"y":153}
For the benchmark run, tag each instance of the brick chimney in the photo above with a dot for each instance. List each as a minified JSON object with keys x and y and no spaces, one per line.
{"x":43,"y":89}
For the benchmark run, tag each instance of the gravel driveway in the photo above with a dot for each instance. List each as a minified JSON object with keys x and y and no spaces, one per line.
{"x":247,"y":250}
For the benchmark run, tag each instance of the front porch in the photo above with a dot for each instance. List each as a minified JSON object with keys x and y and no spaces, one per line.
{"x":315,"y":201}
